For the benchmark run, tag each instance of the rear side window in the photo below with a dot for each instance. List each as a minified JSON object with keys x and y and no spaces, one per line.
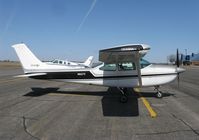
{"x":60,"y":62}
{"x":109,"y":67}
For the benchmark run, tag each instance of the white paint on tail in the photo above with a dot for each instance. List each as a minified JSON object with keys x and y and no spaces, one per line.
{"x":27,"y":58}
{"x":88,"y":62}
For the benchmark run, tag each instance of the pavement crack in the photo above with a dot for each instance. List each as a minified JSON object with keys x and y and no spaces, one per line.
{"x":26,"y":130}
{"x":193,"y":130}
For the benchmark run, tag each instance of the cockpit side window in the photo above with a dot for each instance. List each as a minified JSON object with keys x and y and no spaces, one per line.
{"x":126,"y":66}
{"x":109,"y":67}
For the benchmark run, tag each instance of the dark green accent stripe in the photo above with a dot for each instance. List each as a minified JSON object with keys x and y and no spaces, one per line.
{"x":87,"y":75}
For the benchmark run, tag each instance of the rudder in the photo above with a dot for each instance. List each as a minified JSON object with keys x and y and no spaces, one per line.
{"x":27,"y":58}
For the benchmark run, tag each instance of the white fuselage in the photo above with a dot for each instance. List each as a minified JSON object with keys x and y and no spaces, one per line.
{"x":151,"y":75}
{"x":123,"y":67}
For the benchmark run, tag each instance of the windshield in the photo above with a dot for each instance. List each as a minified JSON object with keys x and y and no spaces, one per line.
{"x":55,"y":61}
{"x":144,"y":63}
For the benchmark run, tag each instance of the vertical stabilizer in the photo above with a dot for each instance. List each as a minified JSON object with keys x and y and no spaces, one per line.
{"x":89,"y":61}
{"x":28,"y":60}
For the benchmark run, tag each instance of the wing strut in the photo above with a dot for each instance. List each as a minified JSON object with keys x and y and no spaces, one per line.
{"x":138,"y":68}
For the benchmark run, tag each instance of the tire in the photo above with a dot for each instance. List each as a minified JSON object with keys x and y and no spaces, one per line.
{"x":123,"y":99}
{"x":159,"y":94}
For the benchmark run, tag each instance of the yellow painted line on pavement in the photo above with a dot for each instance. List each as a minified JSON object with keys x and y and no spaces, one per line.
{"x":151,"y":111}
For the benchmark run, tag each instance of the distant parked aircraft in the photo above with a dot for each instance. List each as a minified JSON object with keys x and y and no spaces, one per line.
{"x":87,"y":63}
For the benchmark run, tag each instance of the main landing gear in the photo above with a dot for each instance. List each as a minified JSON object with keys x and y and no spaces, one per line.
{"x":158,"y":93}
{"x":124,"y":96}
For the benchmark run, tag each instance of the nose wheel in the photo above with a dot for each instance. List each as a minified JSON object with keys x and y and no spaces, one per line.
{"x":123,"y":97}
{"x":159,"y":93}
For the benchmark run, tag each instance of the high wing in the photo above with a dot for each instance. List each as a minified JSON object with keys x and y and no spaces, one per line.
{"x":125,"y":53}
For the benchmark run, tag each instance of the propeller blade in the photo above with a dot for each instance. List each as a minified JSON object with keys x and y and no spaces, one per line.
{"x":177,"y":58}
{"x":178,"y":65}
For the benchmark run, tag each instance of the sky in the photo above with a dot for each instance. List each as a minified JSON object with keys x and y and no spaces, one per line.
{"x":76,"y":29}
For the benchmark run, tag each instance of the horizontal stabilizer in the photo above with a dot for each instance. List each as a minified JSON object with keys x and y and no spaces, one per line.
{"x":30,"y":75}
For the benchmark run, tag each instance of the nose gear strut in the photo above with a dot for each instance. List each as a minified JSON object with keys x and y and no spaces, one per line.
{"x":124,"y":96}
{"x":158,"y":92}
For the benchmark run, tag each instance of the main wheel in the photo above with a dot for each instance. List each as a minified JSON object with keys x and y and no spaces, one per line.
{"x":159,"y":94}
{"x":123,"y":99}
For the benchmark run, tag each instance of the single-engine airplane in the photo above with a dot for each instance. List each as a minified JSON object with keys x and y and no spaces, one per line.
{"x":123,"y":67}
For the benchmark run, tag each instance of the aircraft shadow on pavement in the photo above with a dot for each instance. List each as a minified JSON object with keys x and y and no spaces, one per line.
{"x":153,"y":94}
{"x":111,"y":105}
{"x":37,"y":91}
